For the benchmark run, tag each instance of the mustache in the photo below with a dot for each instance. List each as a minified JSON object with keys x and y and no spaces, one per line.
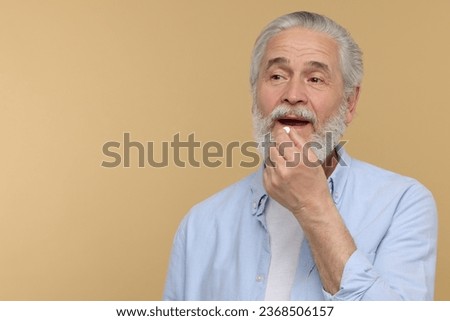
{"x":283,"y":111}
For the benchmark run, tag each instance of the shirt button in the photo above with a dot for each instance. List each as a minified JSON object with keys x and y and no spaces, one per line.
{"x":254,"y":204}
{"x":259,"y":278}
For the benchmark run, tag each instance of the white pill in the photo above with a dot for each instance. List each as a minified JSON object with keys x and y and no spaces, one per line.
{"x":287,"y":129}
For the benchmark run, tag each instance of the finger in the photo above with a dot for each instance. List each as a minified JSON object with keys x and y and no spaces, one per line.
{"x":286,"y":146}
{"x":268,"y":161}
{"x":283,"y":144}
{"x":268,"y":177}
{"x":271,"y":174}
{"x":276,"y":158}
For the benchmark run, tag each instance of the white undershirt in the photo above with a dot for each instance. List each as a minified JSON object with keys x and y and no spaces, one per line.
{"x":286,"y":236}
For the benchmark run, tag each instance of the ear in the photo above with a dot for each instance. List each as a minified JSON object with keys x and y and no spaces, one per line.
{"x":352,"y":101}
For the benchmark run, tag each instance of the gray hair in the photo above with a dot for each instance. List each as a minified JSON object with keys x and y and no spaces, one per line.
{"x":350,"y":54}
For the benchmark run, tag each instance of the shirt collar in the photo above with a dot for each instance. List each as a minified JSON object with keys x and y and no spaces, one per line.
{"x":259,"y":194}
{"x":338,"y":178}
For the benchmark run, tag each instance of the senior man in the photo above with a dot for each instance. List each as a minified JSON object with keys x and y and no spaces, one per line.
{"x":312,"y":223}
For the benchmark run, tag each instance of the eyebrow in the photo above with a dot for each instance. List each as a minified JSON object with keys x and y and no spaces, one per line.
{"x":319,"y":65}
{"x":277,"y":61}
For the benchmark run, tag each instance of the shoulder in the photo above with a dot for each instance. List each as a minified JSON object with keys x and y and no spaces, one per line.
{"x":384,"y":182}
{"x":378,"y":175}
{"x":377,"y":200}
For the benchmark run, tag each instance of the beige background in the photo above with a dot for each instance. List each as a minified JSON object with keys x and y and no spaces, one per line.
{"x":76,"y":74}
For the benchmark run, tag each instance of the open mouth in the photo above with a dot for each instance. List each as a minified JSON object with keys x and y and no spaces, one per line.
{"x":293,"y":122}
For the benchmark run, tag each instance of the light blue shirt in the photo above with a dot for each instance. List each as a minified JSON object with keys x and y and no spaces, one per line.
{"x":221,"y":250}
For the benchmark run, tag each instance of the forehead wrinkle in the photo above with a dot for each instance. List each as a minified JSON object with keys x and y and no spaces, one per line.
{"x":312,"y":64}
{"x":301,"y":42}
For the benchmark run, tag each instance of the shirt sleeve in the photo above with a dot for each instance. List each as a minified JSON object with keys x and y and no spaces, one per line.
{"x":403,"y":266}
{"x":175,"y":282}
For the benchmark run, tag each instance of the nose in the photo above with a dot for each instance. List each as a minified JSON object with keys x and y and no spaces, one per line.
{"x":295,"y":93}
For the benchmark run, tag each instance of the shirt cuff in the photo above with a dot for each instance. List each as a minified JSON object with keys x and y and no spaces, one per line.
{"x":358,"y":276}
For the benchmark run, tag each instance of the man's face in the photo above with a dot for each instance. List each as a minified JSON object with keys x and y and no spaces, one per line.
{"x":300,"y":69}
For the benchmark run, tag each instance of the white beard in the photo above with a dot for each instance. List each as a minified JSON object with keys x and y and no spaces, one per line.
{"x":323,"y":140}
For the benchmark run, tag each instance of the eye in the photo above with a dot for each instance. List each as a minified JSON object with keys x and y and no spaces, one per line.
{"x":276,"y":77}
{"x":315,"y":80}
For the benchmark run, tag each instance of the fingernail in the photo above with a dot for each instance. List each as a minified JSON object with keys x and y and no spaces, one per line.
{"x":287,"y":129}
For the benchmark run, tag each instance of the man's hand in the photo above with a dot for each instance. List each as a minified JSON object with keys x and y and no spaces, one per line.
{"x":294,"y":176}
{"x":295,"y":179}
